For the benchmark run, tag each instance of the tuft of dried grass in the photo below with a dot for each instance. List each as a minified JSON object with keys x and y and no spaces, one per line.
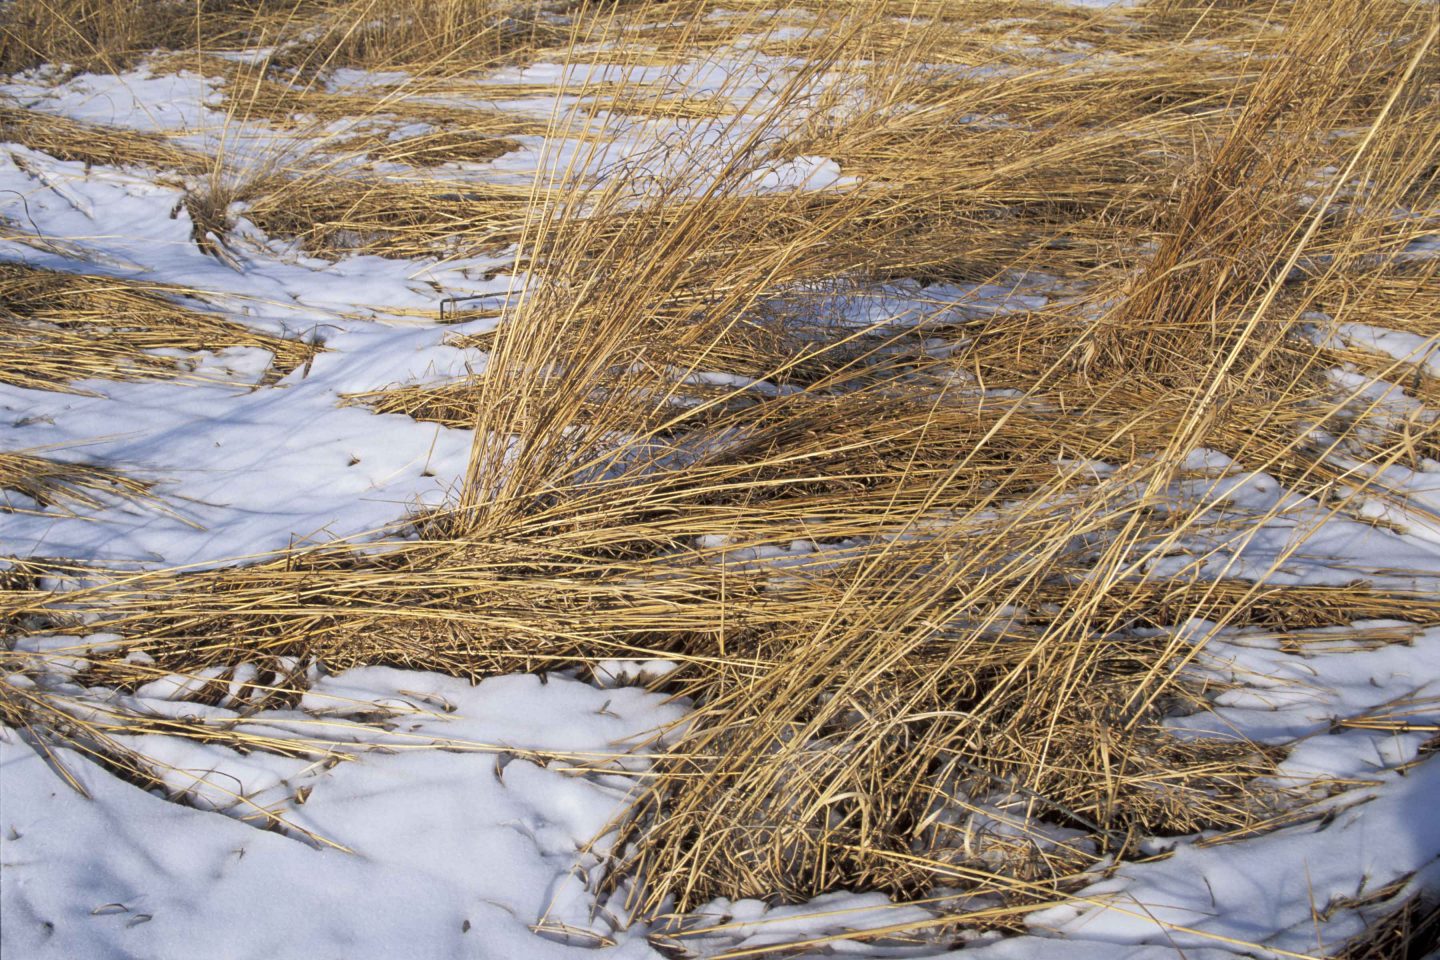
{"x":373,"y":34}
{"x":58,"y":328}
{"x":310,"y":34}
{"x":1408,"y":930}
{"x":85,"y":33}
{"x":45,"y":484}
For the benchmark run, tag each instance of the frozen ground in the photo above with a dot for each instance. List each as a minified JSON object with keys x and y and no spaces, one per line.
{"x":457,"y":821}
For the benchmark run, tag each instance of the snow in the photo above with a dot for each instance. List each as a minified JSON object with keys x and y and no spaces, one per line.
{"x":249,"y":469}
{"x":1267,"y":888}
{"x":452,"y":854}
{"x":139,"y":99}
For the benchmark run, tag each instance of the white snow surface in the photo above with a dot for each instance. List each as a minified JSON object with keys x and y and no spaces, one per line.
{"x":475,"y":837}
{"x":248,"y":468}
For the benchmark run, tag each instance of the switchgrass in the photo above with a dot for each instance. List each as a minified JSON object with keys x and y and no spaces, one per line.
{"x":95,"y":144}
{"x":46,"y":484}
{"x":931,"y":479}
{"x":113,"y":34}
{"x":477,"y":34}
{"x":60,"y":328}
{"x":103,"y":34}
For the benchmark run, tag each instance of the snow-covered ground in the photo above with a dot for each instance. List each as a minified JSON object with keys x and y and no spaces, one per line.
{"x":442,"y":819}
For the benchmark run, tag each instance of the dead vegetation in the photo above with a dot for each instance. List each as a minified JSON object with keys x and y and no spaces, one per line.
{"x":90,"y":143}
{"x":59,"y":328}
{"x":923,"y":569}
{"x":43,"y":483}
{"x":112,"y":34}
{"x":1407,"y":927}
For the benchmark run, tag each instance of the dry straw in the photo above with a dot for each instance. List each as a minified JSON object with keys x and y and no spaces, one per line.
{"x":59,"y":328}
{"x":998,"y":549}
{"x":44,"y":483}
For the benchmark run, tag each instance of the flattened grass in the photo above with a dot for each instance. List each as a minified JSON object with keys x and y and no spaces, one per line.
{"x":44,"y":483}
{"x":91,"y":143}
{"x":59,"y":328}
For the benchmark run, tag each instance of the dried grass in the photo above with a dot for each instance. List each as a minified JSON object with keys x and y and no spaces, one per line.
{"x":44,"y":483}
{"x":113,"y":34}
{"x":1408,"y":930}
{"x":107,"y":34}
{"x":59,"y":328}
{"x":91,"y":143}
{"x":944,"y":571}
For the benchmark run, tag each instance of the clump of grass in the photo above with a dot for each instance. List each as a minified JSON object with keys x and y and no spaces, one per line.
{"x":1239,"y":222}
{"x":83,"y":32}
{"x":58,"y":328}
{"x":777,"y":787}
{"x":113,"y":34}
{"x":44,"y":483}
{"x":469,"y":34}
